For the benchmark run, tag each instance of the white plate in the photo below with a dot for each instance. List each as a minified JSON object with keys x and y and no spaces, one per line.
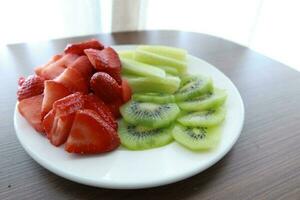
{"x":124,"y":169}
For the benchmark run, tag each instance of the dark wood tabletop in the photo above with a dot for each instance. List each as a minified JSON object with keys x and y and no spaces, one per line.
{"x":263,"y":164}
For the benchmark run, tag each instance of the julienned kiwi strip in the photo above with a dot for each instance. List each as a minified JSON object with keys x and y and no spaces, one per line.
{"x":138,"y":137}
{"x":168,"y":85}
{"x":172,"y":52}
{"x":149,"y":114}
{"x":154,"y":97}
{"x":210,"y":117}
{"x":193,"y":88}
{"x":130,"y":66}
{"x":196,"y":139}
{"x":207,"y":101}
{"x":160,"y":60}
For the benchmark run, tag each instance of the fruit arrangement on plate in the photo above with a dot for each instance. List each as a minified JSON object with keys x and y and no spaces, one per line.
{"x":91,"y":99}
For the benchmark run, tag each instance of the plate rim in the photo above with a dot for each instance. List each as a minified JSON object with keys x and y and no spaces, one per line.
{"x":113,"y":185}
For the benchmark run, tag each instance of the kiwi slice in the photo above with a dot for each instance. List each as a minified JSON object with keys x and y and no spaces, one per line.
{"x":200,"y":138}
{"x":160,"y":60}
{"x":194,"y":88}
{"x":141,"y":69}
{"x":203,"y":118}
{"x":154,"y":98}
{"x":172,"y":52}
{"x":169,"y":70}
{"x":168,"y":85}
{"x":210,"y":100}
{"x":126,"y":54}
{"x":187,"y":78}
{"x":139,"y":137}
{"x":149,"y":114}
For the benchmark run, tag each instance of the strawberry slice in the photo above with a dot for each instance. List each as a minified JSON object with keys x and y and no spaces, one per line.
{"x":53,"y":91}
{"x":114,"y":107}
{"x":32,"y":86}
{"x":92,"y":102}
{"x":30,"y":109}
{"x":57,"y":128}
{"x":78,"y":48}
{"x":83,"y":66}
{"x":21,"y":81}
{"x":58,"y":122}
{"x":55,"y":68}
{"x":69,"y":104}
{"x":105,"y":87}
{"x":126,"y":91}
{"x":47,"y":122}
{"x":38,"y":70}
{"x":91,"y":134}
{"x":106,"y":60}
{"x":73,"y":80}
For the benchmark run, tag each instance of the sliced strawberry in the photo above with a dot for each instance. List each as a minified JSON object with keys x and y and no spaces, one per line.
{"x":53,"y":91}
{"x":77,"y":48}
{"x":83,"y":66}
{"x":58,"y":122}
{"x":73,"y":80}
{"x":32,"y":86}
{"x":38,"y":70}
{"x":114,"y":107}
{"x":30,"y":109}
{"x":57,"y":128}
{"x":69,"y":104}
{"x":106,"y":60}
{"x":48,"y":122}
{"x":91,"y":134}
{"x":105,"y":87}
{"x":92,"y":102}
{"x":126,"y":91}
{"x":21,"y":81}
{"x":54,"y":69}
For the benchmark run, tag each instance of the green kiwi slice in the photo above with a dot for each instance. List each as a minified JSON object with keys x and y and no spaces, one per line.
{"x":196,"y":139}
{"x":168,"y":85}
{"x":210,"y":117}
{"x":126,"y":54}
{"x":154,"y":98}
{"x":160,"y":60}
{"x":170,"y":70}
{"x":172,"y":52}
{"x":194,"y":87}
{"x":210,"y":100}
{"x":139,"y":137}
{"x":130,"y":66}
{"x":149,"y":114}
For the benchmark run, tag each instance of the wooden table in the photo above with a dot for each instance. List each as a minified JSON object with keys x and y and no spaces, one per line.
{"x":264,"y":163}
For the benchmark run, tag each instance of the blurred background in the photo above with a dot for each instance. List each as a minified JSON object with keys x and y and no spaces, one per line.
{"x":270,"y":27}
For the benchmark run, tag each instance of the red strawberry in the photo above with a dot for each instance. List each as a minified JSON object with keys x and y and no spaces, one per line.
{"x":69,"y":104}
{"x":58,"y":121}
{"x":21,"y":81}
{"x":48,"y":122}
{"x":91,"y":134}
{"x":32,"y":86}
{"x":55,"y":68}
{"x":126,"y":91}
{"x":73,"y":80}
{"x":52,"y":92}
{"x":106,"y":60}
{"x":83,"y":66}
{"x":38,"y":70}
{"x":77,"y":48}
{"x":105,"y":87}
{"x":30,"y":108}
{"x":92,"y":102}
{"x":114,"y":107}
